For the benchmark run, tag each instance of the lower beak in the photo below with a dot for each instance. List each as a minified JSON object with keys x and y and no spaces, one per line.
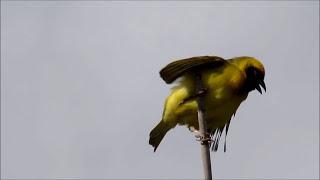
{"x":262,"y":84}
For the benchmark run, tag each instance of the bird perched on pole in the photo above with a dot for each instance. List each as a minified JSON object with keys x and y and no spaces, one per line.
{"x":226,"y":83}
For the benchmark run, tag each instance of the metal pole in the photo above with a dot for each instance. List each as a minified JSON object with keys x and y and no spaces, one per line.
{"x":205,"y":148}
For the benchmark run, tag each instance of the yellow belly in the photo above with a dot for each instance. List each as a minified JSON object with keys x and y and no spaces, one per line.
{"x":216,"y":116}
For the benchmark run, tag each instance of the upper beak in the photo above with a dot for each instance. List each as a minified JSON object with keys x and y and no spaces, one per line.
{"x":262,"y":84}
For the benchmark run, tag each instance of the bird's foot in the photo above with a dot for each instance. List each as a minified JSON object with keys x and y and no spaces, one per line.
{"x":202,"y":92}
{"x":203,"y":138}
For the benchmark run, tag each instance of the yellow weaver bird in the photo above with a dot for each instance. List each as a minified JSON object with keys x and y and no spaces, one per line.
{"x":227,"y":83}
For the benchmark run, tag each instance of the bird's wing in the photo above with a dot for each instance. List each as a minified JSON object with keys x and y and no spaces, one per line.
{"x":175,"y":69}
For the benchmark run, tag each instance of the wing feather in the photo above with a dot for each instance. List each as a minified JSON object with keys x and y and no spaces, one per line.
{"x":175,"y":69}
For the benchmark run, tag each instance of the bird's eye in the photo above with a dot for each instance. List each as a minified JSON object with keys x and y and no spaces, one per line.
{"x":250,"y":71}
{"x":253,"y":72}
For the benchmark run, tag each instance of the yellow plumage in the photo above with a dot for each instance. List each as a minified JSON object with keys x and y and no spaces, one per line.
{"x":227,"y":84}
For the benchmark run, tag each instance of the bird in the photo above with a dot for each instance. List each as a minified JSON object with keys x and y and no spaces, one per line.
{"x":226,"y":82}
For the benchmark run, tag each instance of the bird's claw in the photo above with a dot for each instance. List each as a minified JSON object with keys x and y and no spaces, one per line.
{"x":202,"y":92}
{"x":203,"y":138}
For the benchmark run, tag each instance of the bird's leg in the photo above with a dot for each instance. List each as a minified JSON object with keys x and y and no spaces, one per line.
{"x":203,"y":138}
{"x":196,"y":132}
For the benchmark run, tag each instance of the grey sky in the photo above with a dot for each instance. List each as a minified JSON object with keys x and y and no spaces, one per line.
{"x":80,"y":89}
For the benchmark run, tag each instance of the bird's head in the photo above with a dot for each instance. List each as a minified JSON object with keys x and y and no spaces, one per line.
{"x":254,"y":71}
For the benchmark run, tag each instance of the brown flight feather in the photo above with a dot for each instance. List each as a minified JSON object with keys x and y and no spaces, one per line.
{"x":175,"y":69}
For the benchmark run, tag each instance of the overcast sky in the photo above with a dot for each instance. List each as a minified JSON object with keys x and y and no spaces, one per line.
{"x":80,"y":89}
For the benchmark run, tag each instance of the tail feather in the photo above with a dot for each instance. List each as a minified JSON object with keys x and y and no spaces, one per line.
{"x":157,"y":134}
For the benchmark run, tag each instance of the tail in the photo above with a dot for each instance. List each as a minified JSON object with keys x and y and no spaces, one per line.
{"x":157,"y":134}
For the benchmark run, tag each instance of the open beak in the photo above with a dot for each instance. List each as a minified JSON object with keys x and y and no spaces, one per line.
{"x":262,"y":84}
